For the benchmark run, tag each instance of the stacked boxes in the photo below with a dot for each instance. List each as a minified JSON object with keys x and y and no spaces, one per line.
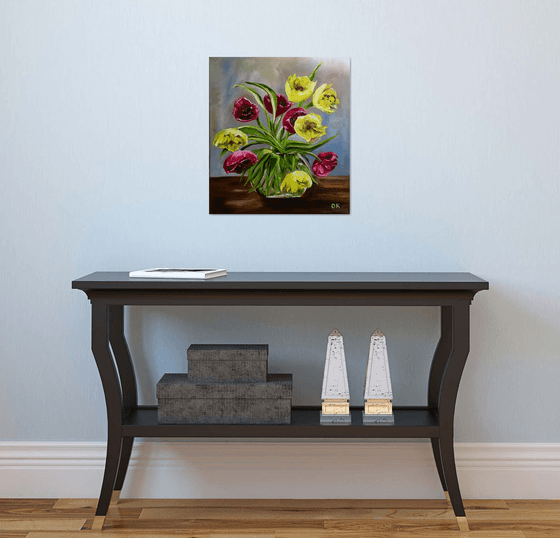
{"x":226,"y":384}
{"x":212,"y":363}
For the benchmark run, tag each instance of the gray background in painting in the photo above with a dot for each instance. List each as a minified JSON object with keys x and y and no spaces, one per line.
{"x":455,"y":166}
{"x":225,"y":73}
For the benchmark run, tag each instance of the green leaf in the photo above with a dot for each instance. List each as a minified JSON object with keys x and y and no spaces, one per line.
{"x":224,"y":151}
{"x":319,"y":144}
{"x":274,"y":144}
{"x":271,"y":93}
{"x":296,"y":144}
{"x":307,"y":164}
{"x":279,"y":178}
{"x":299,"y":152}
{"x":243,"y":175}
{"x":266,"y":172}
{"x":256,"y":144}
{"x":257,"y":96}
{"x":306,"y":146}
{"x":251,"y":171}
{"x":293,"y":145}
{"x":312,"y":76}
{"x":285,"y":137}
{"x":256,"y":133}
{"x":251,"y":130}
{"x":256,"y":170}
{"x":275,"y":126}
{"x":262,"y":126}
{"x":258,"y":180}
{"x":260,"y":135}
{"x":274,"y":179}
{"x":305,"y":160}
{"x":260,"y":140}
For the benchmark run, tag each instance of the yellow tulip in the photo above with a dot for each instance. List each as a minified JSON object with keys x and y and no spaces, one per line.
{"x":309,"y":127}
{"x":295,"y":182}
{"x":325,"y":99}
{"x":230,"y":139}
{"x":299,"y":88}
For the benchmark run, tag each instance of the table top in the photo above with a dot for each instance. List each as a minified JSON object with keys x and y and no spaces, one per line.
{"x":115,"y":280}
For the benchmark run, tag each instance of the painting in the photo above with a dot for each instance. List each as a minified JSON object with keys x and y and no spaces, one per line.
{"x":279,"y":136}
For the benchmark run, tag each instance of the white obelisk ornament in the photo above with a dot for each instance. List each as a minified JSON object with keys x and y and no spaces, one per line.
{"x":335,"y":395}
{"x":378,"y":394}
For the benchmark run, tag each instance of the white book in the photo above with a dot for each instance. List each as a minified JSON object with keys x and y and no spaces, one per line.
{"x":158,"y":272}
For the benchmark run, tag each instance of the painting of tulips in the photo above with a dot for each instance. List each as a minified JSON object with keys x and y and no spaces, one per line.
{"x":279,"y":135}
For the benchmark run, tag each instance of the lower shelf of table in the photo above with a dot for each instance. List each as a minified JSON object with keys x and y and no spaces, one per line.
{"x":410,"y":422}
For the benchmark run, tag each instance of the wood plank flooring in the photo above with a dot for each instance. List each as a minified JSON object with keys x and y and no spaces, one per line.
{"x":283,"y":518}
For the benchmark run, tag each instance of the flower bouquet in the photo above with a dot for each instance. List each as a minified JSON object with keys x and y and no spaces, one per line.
{"x":278,"y":166}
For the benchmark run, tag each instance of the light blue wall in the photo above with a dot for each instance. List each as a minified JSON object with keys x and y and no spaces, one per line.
{"x":455,"y":167}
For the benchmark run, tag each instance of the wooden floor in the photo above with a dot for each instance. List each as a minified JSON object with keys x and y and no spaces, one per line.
{"x":158,"y":518}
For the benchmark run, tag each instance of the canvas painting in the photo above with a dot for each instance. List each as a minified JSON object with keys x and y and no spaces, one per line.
{"x":279,"y":136}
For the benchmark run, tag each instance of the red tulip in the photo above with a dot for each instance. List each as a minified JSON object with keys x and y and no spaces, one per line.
{"x":325,"y":163}
{"x":290,"y":118}
{"x":244,"y":110}
{"x":281,"y":107}
{"x":239,"y":161}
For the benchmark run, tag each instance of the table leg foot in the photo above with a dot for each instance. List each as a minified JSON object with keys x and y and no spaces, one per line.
{"x":115,"y":497}
{"x":98,"y":522}
{"x":436,"y":449}
{"x":463,"y":524}
{"x":447,"y":497}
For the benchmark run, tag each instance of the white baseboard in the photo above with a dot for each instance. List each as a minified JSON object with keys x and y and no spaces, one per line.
{"x":281,"y":469}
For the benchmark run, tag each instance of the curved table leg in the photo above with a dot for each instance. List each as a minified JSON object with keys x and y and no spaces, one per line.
{"x":114,"y":443}
{"x":122,"y":357}
{"x":436,"y":449}
{"x":113,"y":400}
{"x":447,"y":399}
{"x":126,"y":451}
{"x":128,"y":386}
{"x":441,"y":356}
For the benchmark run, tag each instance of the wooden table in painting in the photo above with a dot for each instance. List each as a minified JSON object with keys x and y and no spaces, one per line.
{"x":228,"y":195}
{"x":452,"y":293}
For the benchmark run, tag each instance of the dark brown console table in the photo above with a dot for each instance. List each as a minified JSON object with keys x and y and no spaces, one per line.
{"x":110,"y":292}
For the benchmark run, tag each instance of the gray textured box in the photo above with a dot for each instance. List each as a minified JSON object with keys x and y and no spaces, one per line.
{"x":224,"y":362}
{"x":183,"y":401}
